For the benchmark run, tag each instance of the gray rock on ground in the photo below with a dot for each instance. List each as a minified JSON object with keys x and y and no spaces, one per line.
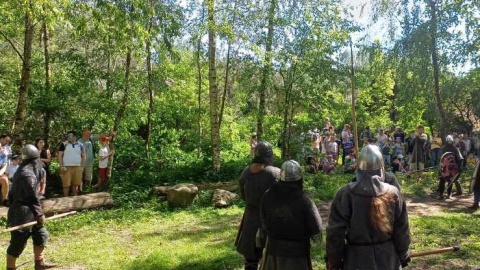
{"x":182,"y":195}
{"x":223,"y":198}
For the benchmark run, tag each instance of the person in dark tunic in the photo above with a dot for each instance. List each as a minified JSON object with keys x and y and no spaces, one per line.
{"x":25,"y":207}
{"x":254,"y":181}
{"x":475,"y":186}
{"x":368,"y":223}
{"x":289,"y":220}
{"x":447,"y":170}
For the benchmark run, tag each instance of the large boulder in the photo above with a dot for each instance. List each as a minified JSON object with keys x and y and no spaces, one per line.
{"x":223,"y":198}
{"x":182,"y":195}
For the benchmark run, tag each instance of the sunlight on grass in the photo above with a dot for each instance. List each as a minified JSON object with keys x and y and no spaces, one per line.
{"x":201,"y":237}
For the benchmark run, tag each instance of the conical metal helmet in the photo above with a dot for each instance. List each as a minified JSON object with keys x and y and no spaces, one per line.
{"x":264,"y":151}
{"x":449,"y":138}
{"x":30,"y":151}
{"x":370,"y":158}
{"x":291,"y":171}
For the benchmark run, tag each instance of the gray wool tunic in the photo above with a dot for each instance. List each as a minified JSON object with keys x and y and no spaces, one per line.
{"x":254,"y":181}
{"x":24,"y":203}
{"x":352,"y":242}
{"x":290,"y":219}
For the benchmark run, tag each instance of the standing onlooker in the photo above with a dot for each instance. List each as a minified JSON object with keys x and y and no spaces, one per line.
{"x":5,"y":143}
{"x":476,"y":187}
{"x":13,"y":167}
{"x":368,"y":222}
{"x":398,"y":147}
{"x":45,"y":155}
{"x":89,"y":145}
{"x":71,"y":156}
{"x":399,"y":134}
{"x":333,"y":148}
{"x":417,"y":159}
{"x":347,"y":138}
{"x":366,"y":135}
{"x":289,"y":220}
{"x":254,"y":181}
{"x":476,"y":144}
{"x":104,"y":153}
{"x":25,"y":207}
{"x":253,"y":144}
{"x":382,"y":136}
{"x":436,"y":144}
{"x":4,"y":177}
{"x":460,"y":144}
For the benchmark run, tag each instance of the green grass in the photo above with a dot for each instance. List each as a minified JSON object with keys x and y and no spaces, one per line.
{"x":201,"y":237}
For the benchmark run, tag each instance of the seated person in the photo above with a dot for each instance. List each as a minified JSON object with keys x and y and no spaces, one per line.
{"x":328,"y":164}
{"x":350,"y":164}
{"x":397,"y":164}
{"x":311,"y":166}
{"x":471,"y":160}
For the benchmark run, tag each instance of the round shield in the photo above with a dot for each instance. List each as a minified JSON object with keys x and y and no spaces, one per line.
{"x":448,"y":166}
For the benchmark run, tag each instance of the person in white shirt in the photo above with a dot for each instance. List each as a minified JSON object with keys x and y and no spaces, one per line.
{"x":103,"y":154}
{"x":12,"y":168}
{"x":71,"y":156}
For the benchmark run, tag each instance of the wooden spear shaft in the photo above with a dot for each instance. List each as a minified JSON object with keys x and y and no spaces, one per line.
{"x":435,"y":251}
{"x":11,"y":229}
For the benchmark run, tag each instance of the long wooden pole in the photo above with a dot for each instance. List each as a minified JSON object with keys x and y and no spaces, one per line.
{"x":354,"y":114}
{"x":435,"y":251}
{"x":11,"y":229}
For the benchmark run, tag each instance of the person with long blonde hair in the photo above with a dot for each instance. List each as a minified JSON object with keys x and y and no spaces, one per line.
{"x":368,"y":223}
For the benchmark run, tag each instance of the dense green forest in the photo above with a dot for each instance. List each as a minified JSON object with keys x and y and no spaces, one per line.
{"x":185,"y":83}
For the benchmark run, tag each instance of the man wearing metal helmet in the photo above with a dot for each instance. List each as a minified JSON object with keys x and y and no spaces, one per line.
{"x":25,"y":207}
{"x":254,"y":181}
{"x":289,"y":220}
{"x":450,"y":168}
{"x":368,"y":223}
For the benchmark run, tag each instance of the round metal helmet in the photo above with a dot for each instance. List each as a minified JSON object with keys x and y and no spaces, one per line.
{"x":30,"y":151}
{"x":370,"y":158}
{"x":264,"y":150}
{"x":291,"y":171}
{"x":449,"y":138}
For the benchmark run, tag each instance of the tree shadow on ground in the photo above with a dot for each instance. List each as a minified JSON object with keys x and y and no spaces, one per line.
{"x":158,"y":261}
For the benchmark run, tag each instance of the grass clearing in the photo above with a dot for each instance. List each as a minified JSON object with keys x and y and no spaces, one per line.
{"x":155,"y":237}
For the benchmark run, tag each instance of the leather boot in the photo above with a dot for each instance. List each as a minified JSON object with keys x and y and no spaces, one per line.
{"x":40,"y":265}
{"x":11,"y":261}
{"x":459,"y":189}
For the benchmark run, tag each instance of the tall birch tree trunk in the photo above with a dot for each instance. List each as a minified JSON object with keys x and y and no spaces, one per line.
{"x":266,"y":69}
{"x":213,"y":88}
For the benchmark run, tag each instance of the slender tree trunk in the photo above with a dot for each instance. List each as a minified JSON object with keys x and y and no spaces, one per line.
{"x":213,"y":88}
{"x":22,"y":102}
{"x":266,"y":70}
{"x":199,"y":84}
{"x":436,"y":69}
{"x":47,"y":116}
{"x":286,"y":130}
{"x":109,"y":71}
{"x":151,"y":96}
{"x":354,"y":113}
{"x":121,"y":109}
{"x":227,"y":71}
